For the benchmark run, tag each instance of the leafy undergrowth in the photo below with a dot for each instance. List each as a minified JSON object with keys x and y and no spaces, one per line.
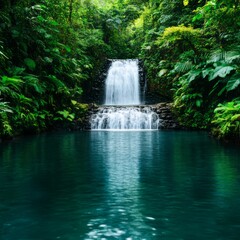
{"x":226,"y":122}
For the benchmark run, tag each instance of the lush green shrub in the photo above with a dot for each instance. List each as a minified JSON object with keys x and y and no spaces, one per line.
{"x":226,"y":120}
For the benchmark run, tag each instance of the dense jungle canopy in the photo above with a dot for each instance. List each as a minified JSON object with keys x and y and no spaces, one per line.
{"x":51,"y":49}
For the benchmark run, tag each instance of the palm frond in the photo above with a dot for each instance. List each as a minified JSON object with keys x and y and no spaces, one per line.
{"x":182,"y":67}
{"x":226,"y":56}
{"x":4,"y":107}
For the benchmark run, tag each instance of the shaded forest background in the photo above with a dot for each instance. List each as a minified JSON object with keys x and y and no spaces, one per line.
{"x":51,"y":49}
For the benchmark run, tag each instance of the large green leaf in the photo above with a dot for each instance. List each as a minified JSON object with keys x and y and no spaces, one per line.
{"x":233,"y":83}
{"x":14,"y":82}
{"x":193,"y":74}
{"x":221,"y":71}
{"x":162,"y":72}
{"x":30,"y":63}
{"x":207,"y":72}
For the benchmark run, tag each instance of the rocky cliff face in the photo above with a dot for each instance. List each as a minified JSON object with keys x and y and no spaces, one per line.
{"x":167,"y":119}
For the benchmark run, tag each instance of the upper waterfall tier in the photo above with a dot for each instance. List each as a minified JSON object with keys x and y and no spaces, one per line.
{"x":122,"y":83}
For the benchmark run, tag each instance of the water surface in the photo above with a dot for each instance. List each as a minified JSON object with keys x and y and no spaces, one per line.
{"x":119,"y":185}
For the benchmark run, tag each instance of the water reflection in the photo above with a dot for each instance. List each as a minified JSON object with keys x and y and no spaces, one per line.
{"x":119,"y":185}
{"x":121,"y":212}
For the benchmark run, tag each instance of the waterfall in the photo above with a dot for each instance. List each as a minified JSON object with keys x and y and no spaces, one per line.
{"x":122,"y":83}
{"x":125,"y":118}
{"x":122,"y":94}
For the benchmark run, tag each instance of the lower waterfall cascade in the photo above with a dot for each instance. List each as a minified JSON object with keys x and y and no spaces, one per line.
{"x":122,"y":109}
{"x":125,"y":118}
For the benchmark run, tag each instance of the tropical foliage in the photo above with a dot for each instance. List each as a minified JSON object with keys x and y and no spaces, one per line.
{"x":192,"y":52}
{"x":48,"y":51}
{"x":227,"y":119}
{"x":52,"y":51}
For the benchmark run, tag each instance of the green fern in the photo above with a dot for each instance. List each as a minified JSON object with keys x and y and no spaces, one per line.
{"x":226,"y":56}
{"x":5,"y":126}
{"x":227,"y":119}
{"x":5,"y":108}
{"x":182,"y":67}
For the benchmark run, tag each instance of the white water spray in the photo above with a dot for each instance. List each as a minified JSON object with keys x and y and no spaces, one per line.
{"x":123,"y":88}
{"x":125,"y":118}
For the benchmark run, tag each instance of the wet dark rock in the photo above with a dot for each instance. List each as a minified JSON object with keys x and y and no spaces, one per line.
{"x":166,"y":116}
